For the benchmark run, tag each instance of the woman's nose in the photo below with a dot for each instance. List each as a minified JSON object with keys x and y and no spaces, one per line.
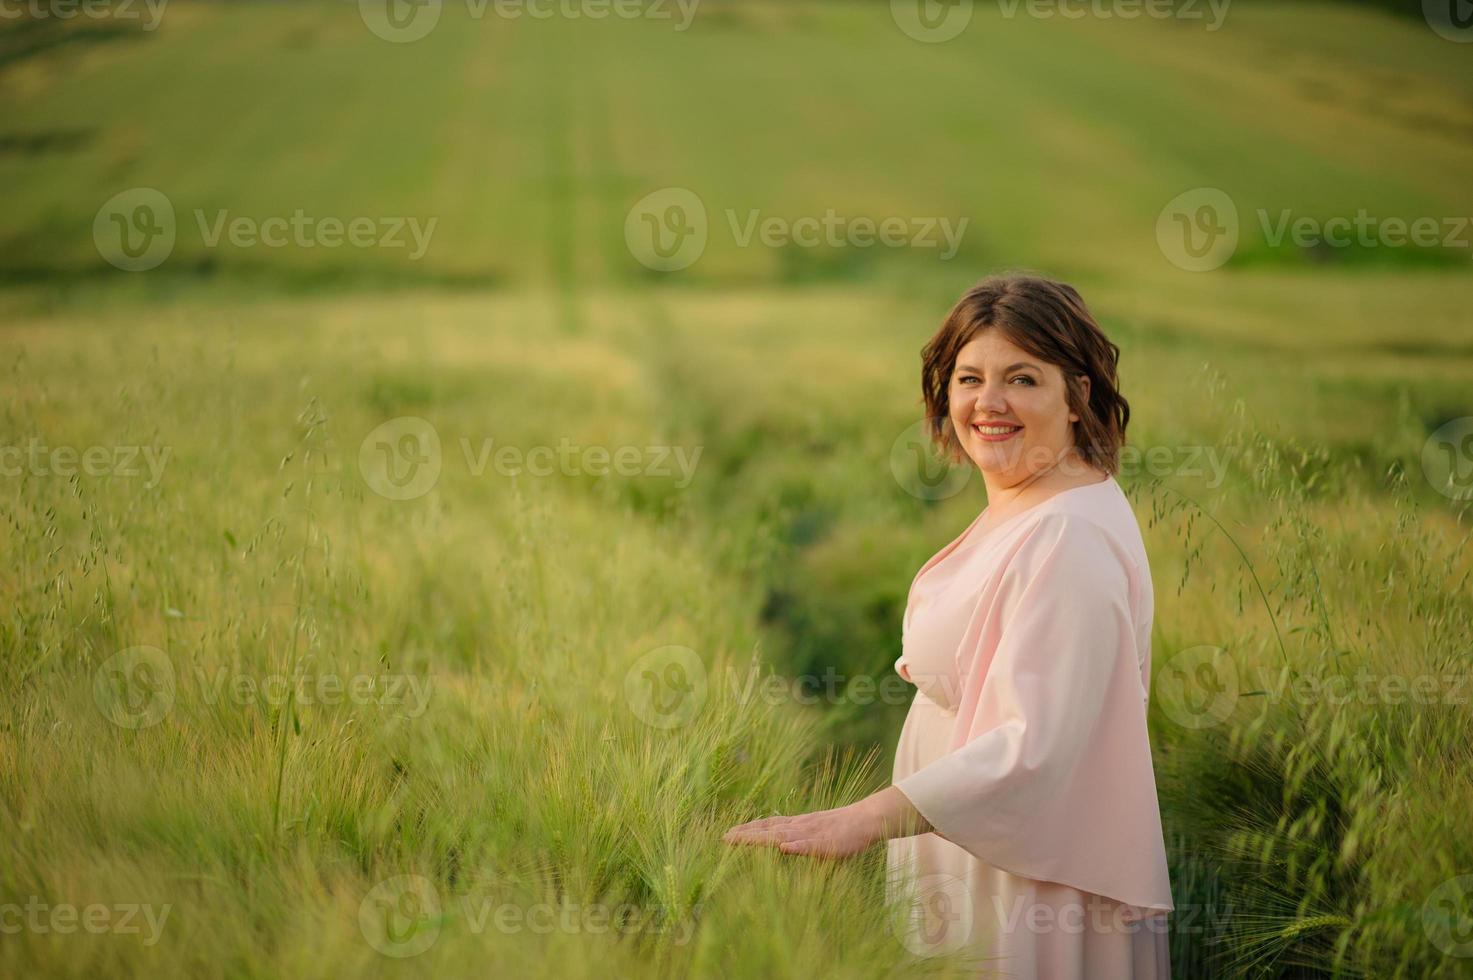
{"x":991,"y":400}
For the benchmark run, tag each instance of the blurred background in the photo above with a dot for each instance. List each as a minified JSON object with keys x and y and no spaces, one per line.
{"x":460,"y":457}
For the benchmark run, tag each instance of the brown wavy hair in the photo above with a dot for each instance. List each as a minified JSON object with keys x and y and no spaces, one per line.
{"x":1049,"y":320}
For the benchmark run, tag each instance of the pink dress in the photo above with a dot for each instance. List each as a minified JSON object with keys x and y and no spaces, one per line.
{"x":1025,"y":747}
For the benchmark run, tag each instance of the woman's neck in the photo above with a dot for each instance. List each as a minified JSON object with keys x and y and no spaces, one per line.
{"x":1068,"y":471}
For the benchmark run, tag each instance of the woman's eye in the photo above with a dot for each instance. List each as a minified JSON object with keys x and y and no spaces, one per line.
{"x":972,"y":378}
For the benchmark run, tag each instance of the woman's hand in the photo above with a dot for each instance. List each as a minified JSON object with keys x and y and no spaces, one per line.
{"x":838,"y":833}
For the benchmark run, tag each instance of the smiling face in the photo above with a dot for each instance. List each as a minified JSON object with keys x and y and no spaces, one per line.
{"x":1010,"y":409}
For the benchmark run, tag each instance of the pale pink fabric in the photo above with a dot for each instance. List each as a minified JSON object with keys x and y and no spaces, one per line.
{"x":1026,"y":748}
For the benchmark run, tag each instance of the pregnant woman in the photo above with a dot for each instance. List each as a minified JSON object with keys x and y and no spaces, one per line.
{"x":1022,"y":825}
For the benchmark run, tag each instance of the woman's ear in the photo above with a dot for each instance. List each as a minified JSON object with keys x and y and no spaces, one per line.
{"x":1084,"y":394}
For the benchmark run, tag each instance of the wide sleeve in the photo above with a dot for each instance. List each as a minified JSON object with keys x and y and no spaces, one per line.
{"x":1049,"y":775}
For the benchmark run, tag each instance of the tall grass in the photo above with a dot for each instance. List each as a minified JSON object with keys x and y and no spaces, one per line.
{"x":523,"y":778}
{"x":1307,"y":838}
{"x":1310,"y":804}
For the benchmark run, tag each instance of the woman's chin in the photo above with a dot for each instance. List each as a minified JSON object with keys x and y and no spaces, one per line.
{"x":995,"y":460}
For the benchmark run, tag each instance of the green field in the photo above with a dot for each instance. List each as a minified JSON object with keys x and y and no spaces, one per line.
{"x":501,"y":626}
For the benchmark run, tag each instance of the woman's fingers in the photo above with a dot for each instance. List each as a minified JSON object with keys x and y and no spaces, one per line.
{"x":790,"y":835}
{"x":816,"y":847}
{"x":779,"y":818}
{"x":823,"y":833}
{"x":771,"y":835}
{"x":804,"y":833}
{"x":759,"y":824}
{"x":769,"y":830}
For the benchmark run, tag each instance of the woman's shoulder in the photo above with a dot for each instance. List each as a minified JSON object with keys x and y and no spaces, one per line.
{"x":1094,"y":520}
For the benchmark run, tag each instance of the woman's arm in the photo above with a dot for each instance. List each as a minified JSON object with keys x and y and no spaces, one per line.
{"x":896,"y":813}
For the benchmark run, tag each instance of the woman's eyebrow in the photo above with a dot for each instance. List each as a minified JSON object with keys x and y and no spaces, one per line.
{"x":1010,"y":367}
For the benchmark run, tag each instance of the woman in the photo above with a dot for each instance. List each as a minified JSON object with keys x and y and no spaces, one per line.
{"x":1022,"y":823}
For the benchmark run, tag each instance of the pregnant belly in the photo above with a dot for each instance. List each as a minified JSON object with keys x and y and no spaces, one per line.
{"x":925,"y":736}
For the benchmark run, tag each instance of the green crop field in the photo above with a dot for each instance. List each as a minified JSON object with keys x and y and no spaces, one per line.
{"x":350,"y":542}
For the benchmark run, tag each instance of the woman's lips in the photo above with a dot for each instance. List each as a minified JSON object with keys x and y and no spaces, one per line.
{"x":996,"y":432}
